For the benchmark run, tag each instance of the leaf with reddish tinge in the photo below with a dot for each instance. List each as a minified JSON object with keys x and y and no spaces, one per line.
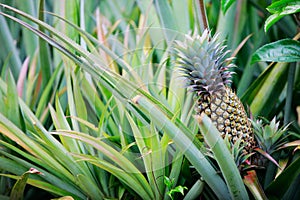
{"x":292,"y":144}
{"x":268,"y":156}
{"x":251,"y":181}
{"x":22,"y":77}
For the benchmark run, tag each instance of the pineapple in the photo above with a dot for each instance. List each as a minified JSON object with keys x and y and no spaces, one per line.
{"x":203,"y":63}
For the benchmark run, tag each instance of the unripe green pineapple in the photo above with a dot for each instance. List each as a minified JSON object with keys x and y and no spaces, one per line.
{"x":203,"y":63}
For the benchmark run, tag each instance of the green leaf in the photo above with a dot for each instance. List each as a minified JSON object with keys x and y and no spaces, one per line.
{"x":179,"y":189}
{"x":282,"y":183}
{"x":185,"y":144}
{"x":223,"y":157}
{"x":226,"y":4}
{"x":261,"y":89}
{"x":166,"y":18}
{"x":127,"y":171}
{"x":29,"y":40}
{"x":124,"y":176}
{"x":8,"y":49}
{"x":47,"y":187}
{"x":44,"y":52}
{"x":280,"y":9}
{"x":271,"y":20}
{"x":46,"y":93}
{"x":195,"y":191}
{"x":279,"y":6}
{"x":18,"y":189}
{"x":12,"y":100}
{"x":268,"y":93}
{"x":286,"y":50}
{"x":92,"y":189}
{"x":168,"y":182}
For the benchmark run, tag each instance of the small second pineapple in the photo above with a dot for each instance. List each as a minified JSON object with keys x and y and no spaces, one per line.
{"x":204,"y":65}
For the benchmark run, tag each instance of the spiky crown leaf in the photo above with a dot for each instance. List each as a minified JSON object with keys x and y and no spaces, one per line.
{"x":203,"y":62}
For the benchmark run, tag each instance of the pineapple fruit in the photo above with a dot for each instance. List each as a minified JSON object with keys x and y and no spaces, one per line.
{"x":204,"y":65}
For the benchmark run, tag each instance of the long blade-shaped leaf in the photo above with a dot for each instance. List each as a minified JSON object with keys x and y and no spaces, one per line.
{"x":186,"y":145}
{"x":47,"y":187}
{"x":8,"y":49}
{"x":267,"y":94}
{"x":223,"y":157}
{"x":281,"y":184}
{"x":254,"y":186}
{"x":165,"y":14}
{"x":112,"y":154}
{"x":19,"y":187}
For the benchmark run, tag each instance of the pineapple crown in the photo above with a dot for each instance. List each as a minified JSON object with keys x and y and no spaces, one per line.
{"x":203,"y":62}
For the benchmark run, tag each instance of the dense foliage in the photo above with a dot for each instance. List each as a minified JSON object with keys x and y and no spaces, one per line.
{"x":92,"y":105}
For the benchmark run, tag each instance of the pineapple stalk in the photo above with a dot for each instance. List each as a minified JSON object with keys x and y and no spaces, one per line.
{"x":204,"y":65}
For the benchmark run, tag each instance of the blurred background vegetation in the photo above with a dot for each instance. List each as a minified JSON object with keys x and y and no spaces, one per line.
{"x":92,"y":106}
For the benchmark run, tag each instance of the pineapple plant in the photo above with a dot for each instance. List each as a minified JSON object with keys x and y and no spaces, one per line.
{"x":203,"y":61}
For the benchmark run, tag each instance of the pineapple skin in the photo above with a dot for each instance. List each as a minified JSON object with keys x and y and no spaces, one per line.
{"x":229,"y":116}
{"x":204,"y":66}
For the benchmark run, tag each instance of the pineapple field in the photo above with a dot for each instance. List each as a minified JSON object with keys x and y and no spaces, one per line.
{"x":141,"y":99}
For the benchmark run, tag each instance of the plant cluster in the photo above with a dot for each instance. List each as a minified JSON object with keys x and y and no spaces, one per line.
{"x":93,"y":103}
